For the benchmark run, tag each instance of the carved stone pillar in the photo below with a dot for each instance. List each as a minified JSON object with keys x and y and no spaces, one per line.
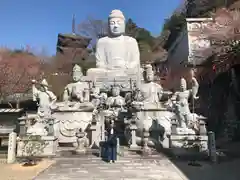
{"x":102,"y":126}
{"x":212,"y":147}
{"x":133,"y":128}
{"x":12,"y":144}
{"x":50,"y":127}
{"x":118,"y":146}
{"x":94,"y":135}
{"x":145,"y":148}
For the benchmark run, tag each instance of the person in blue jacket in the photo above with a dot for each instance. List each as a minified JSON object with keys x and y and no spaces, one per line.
{"x":111,"y":144}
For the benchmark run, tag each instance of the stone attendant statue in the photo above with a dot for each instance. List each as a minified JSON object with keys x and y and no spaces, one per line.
{"x":116,"y":52}
{"x":115,"y":103}
{"x":97,"y":98}
{"x":115,"y":100}
{"x":181,"y":98}
{"x":78,"y":90}
{"x":45,"y":97}
{"x":150,"y":93}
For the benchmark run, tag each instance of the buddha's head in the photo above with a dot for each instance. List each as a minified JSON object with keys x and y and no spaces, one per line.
{"x":77,"y":73}
{"x":116,"y":23}
{"x":44,"y":85}
{"x":115,"y":91}
{"x":183,"y":84}
{"x":148,"y":73}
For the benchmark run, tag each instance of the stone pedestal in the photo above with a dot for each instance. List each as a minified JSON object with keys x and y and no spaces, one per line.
{"x":182,"y":143}
{"x":68,"y":122}
{"x":22,"y":126}
{"x":12,"y":143}
{"x":35,"y":146}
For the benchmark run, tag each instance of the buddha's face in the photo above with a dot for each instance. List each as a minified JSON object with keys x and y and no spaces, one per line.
{"x":148,"y":77}
{"x":183,"y":86}
{"x":115,"y":91}
{"x":77,"y":76}
{"x":43,"y":88}
{"x":116,"y":26}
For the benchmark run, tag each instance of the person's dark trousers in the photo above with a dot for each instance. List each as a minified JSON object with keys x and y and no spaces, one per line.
{"x":112,"y":153}
{"x":112,"y":148}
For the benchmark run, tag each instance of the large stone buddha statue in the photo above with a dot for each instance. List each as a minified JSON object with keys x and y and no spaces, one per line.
{"x":116,"y":53}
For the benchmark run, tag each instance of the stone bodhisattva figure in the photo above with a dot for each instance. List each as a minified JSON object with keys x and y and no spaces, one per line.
{"x":78,"y":90}
{"x":45,"y":98}
{"x":115,"y":100}
{"x":149,"y":93}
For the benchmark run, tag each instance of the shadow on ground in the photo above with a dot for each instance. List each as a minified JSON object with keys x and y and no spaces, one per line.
{"x":196,"y":167}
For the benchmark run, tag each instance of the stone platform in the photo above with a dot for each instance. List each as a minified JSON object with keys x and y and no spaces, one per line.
{"x":91,"y":168}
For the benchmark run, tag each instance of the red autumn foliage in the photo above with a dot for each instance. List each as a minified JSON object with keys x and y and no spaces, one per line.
{"x":17,"y":71}
{"x":223,"y":31}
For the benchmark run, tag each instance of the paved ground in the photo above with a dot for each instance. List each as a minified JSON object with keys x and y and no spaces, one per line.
{"x":124,"y":169}
{"x":224,"y":171}
{"x":19,"y":172}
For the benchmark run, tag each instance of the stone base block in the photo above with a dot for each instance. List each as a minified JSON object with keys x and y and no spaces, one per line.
{"x":146,"y":151}
{"x":183,"y":143}
{"x":81,"y":151}
{"x":36,"y":146}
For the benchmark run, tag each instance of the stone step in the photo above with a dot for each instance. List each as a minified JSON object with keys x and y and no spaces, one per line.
{"x":73,"y":169}
{"x":123,"y":152}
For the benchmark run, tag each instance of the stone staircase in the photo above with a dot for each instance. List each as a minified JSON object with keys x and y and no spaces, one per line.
{"x":69,"y":152}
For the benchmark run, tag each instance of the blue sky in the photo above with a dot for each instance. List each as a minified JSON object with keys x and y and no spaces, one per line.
{"x":36,"y":23}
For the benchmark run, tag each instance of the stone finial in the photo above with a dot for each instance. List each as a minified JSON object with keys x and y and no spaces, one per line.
{"x":44,"y":83}
{"x":116,"y":14}
{"x":77,"y":68}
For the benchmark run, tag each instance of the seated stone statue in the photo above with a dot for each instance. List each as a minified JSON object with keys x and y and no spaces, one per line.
{"x":97,"y":98}
{"x":116,"y":54}
{"x":76,"y":94}
{"x":150,"y":93}
{"x":46,"y":99}
{"x":115,"y":100}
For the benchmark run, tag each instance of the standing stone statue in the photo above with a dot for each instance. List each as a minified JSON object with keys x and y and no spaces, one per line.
{"x":116,"y":52}
{"x":181,"y":97}
{"x":194,"y":84}
{"x":45,"y":97}
{"x":78,"y":90}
